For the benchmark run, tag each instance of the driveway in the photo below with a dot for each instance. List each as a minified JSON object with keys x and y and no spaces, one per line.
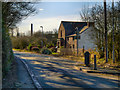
{"x":54,"y":72}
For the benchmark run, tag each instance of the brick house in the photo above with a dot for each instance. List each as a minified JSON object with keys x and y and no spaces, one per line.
{"x":67,"y":35}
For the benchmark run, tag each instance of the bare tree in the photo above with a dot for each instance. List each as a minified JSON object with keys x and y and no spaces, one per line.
{"x":96,"y":15}
{"x":14,"y":12}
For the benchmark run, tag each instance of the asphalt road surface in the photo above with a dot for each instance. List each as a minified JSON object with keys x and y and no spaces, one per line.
{"x":24,"y":80}
{"x":55,"y":72}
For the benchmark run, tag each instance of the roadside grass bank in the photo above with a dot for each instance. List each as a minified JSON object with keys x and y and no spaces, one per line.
{"x":80,"y":60}
{"x":100,"y":62}
{"x":17,"y":77}
{"x":11,"y":77}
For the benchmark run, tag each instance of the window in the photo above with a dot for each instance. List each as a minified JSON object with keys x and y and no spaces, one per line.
{"x":68,"y":38}
{"x":73,"y":37}
{"x":62,"y":44}
{"x":61,"y":33}
{"x":73,"y":46}
{"x":58,"y":44}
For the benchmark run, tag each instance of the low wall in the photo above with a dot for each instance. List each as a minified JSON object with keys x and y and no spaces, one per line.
{"x":69,"y":51}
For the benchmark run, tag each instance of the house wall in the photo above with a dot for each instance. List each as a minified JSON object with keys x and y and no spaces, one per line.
{"x":61,"y":40}
{"x":63,"y":32}
{"x":85,"y":40}
{"x":71,"y":43}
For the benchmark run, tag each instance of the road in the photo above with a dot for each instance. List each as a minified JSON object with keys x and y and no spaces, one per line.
{"x":54,"y":72}
{"x":24,"y":80}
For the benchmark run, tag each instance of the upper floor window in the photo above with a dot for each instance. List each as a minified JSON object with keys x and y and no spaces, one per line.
{"x":61,"y":33}
{"x":67,"y":38}
{"x":73,"y":37}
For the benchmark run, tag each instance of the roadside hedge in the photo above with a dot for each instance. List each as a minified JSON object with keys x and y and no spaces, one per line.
{"x":45,"y":51}
{"x":7,"y":53}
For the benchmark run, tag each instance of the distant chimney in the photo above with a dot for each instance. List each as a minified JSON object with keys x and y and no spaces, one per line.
{"x":31,"y":29}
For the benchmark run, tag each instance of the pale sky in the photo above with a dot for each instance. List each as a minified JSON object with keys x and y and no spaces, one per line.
{"x":50,"y":14}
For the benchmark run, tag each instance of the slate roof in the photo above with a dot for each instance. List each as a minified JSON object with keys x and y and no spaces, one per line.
{"x":71,"y":25}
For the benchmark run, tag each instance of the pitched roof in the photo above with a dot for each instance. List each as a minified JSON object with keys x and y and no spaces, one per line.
{"x":71,"y":25}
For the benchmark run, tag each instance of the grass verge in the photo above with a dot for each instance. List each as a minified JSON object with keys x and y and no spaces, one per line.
{"x":9,"y":80}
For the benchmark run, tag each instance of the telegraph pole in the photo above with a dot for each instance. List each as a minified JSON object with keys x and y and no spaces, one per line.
{"x":113,"y":31}
{"x":42,"y":34}
{"x":77,"y":34}
{"x":105,"y":20}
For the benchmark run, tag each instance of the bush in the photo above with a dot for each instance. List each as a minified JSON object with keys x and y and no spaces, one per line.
{"x":53,"y":49}
{"x":46,"y":51}
{"x":23,"y":43}
{"x":39,"y":46}
{"x":35,"y":49}
{"x":15,"y":43}
{"x":29,"y":47}
{"x":7,"y":53}
{"x":20,"y":42}
{"x":50,"y":45}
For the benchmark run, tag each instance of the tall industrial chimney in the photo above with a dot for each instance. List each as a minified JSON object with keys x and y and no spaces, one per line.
{"x":31,"y":29}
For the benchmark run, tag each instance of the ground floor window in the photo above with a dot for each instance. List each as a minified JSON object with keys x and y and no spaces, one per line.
{"x":58,"y":44}
{"x":73,"y":46}
{"x":61,"y":43}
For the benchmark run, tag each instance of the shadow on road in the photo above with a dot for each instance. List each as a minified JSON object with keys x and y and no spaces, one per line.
{"x":57,"y":73}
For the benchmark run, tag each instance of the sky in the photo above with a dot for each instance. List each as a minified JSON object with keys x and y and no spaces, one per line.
{"x":50,"y":15}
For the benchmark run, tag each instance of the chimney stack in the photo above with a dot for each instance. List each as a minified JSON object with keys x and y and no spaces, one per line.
{"x":31,"y":29}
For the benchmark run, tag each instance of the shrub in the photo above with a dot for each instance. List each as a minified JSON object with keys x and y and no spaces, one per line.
{"x":23,"y":43}
{"x":20,"y":42}
{"x":47,"y":46}
{"x":15,"y":43}
{"x":39,"y":46}
{"x":46,"y":51}
{"x":29,"y":47}
{"x":7,"y":53}
{"x":50,"y":45}
{"x":35,"y":49}
{"x":53,"y":49}
{"x":62,"y":46}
